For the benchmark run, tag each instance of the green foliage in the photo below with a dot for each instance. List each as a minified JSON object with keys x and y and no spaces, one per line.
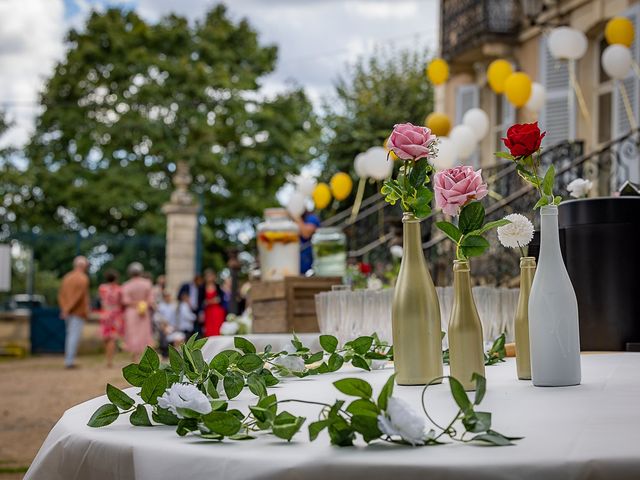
{"x":495,"y":354}
{"x":410,"y":188}
{"x":343,"y":421}
{"x":467,"y":236}
{"x":132,"y":98}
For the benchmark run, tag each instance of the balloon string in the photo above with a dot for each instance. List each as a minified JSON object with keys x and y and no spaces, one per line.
{"x":358,"y":202}
{"x":627,"y":104}
{"x":576,"y":88}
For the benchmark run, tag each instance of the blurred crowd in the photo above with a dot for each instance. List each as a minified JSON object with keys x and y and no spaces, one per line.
{"x":142,"y":313}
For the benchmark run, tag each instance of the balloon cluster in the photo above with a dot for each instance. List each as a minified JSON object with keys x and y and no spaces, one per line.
{"x":306,"y":187}
{"x":516,"y":86}
{"x":617,"y":59}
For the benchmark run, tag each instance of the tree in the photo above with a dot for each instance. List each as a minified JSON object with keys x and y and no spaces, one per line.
{"x":374,"y":95}
{"x":131,"y":99}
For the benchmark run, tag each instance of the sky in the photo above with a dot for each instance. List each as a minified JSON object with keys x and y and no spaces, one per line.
{"x":316,"y":39}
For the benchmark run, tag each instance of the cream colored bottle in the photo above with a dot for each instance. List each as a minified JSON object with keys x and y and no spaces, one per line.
{"x":417,"y":346}
{"x":466,"y":349}
{"x":523,"y":352}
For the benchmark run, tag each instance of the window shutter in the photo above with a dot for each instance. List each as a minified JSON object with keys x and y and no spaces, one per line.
{"x":467,"y":97}
{"x":556,"y":117}
{"x":621,"y":125}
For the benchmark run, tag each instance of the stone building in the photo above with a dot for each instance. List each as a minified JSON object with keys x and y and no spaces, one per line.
{"x":476,"y":32}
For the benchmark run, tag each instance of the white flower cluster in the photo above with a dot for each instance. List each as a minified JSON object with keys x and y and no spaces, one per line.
{"x":184,"y":395}
{"x":579,"y":187}
{"x":401,"y":420}
{"x":516,"y":234}
{"x":292,"y":363}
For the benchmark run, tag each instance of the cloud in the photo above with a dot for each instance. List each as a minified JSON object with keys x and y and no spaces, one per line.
{"x":31,"y":41}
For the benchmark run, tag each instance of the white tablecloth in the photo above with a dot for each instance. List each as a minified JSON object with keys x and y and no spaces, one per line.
{"x":591,"y":431}
{"x":278,"y":342}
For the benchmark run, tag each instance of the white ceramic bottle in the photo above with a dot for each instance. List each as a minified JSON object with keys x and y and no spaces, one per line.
{"x":553,"y":313}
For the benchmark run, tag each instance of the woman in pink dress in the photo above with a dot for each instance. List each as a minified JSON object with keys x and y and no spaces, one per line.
{"x":110,"y":313}
{"x":214,"y":312}
{"x":137,"y":300}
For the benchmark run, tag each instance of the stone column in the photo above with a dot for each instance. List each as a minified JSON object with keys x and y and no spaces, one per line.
{"x":182,"y":227}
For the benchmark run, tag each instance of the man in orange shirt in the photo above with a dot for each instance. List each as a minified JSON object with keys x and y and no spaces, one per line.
{"x":73,"y":299}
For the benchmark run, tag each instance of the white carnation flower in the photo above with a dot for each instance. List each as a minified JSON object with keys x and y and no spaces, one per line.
{"x":374,"y":283}
{"x":378,"y":364}
{"x":291,"y":362}
{"x":229,"y":328}
{"x":396,"y":251}
{"x":184,"y":395}
{"x":401,"y":420}
{"x":579,"y":187}
{"x":518,"y":233}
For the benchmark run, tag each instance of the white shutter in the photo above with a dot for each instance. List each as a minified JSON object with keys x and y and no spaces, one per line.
{"x":557,"y":117}
{"x":467,"y":97}
{"x":508,"y":114}
{"x":627,"y":163}
{"x":621,"y":124}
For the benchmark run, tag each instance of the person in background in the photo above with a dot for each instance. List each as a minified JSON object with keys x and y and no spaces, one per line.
{"x":307,"y":224}
{"x":137,"y":298}
{"x":214,"y":311}
{"x":185,"y":317}
{"x":195,"y":290}
{"x":110,"y":294}
{"x":159,"y":289}
{"x":165,"y":321}
{"x":73,"y":299}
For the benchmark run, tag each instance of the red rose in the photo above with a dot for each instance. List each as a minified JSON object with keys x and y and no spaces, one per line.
{"x":523,"y":139}
{"x":365,"y":268}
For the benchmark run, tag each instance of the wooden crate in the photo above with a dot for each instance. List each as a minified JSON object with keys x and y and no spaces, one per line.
{"x":288,"y":305}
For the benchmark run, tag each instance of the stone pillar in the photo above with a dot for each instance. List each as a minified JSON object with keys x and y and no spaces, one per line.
{"x":182,"y":227}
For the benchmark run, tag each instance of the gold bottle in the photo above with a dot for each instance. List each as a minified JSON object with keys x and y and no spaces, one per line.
{"x":417,"y":346}
{"x":466,"y":349}
{"x":523,"y":355}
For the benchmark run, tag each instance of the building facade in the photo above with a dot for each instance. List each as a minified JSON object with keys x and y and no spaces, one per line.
{"x":476,"y":32}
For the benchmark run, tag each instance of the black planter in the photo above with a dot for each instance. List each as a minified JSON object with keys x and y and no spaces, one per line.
{"x":600,"y":242}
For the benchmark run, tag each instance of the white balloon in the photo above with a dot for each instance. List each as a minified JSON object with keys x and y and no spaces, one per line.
{"x":478,"y":120}
{"x":537,"y":98}
{"x":464,"y":140}
{"x":616,"y":61}
{"x":296,"y":206}
{"x":360,"y":165}
{"x":306,"y":184}
{"x":446,"y":157}
{"x":567,"y":43}
{"x":376,"y":163}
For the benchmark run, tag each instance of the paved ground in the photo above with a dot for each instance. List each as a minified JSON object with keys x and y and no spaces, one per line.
{"x":34,"y":393}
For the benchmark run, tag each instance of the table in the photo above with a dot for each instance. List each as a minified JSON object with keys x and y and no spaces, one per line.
{"x":278,"y":342}
{"x":587,"y":431}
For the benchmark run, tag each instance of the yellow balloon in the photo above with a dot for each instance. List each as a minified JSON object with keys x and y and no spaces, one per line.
{"x":619,"y":30}
{"x":497,"y":74}
{"x":341,"y":185}
{"x":321,"y":196}
{"x":392,"y":155}
{"x":517,"y":88}
{"x":438,"y":71}
{"x":438,"y":123}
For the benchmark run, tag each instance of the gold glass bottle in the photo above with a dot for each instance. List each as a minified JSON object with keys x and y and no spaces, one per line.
{"x":523,"y":356}
{"x":417,"y":347}
{"x":466,"y":350}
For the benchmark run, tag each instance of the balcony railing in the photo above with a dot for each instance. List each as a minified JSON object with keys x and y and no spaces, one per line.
{"x":468,"y":24}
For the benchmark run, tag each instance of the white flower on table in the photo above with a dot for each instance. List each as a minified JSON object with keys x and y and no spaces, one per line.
{"x":229,"y":328}
{"x":401,"y":420}
{"x":292,"y":363}
{"x":184,"y":395}
{"x":374,"y":283}
{"x":516,"y":234}
{"x":579,"y":187}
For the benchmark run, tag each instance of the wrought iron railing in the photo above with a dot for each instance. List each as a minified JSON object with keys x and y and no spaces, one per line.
{"x":468,"y":24}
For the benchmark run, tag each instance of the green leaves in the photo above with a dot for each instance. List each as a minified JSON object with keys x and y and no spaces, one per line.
{"x":354,"y":387}
{"x":497,"y":352}
{"x":471,"y":217}
{"x":386,"y":392}
{"x":473,"y":245}
{"x":360,"y":345}
{"x":410,"y":188}
{"x":329,"y":343}
{"x":222,"y":423}
{"x":140,"y":417}
{"x":134,"y":375}
{"x":249,"y":362}
{"x":119,"y":398}
{"x":150,"y":362}
{"x":459,"y":395}
{"x":547,"y":181}
{"x":153,"y":387}
{"x":233,"y":384}
{"x":450,"y":230}
{"x":105,"y":415}
{"x":244,"y":345}
{"x":287,"y":425}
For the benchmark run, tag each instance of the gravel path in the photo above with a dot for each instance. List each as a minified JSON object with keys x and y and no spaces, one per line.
{"x":35,"y":392}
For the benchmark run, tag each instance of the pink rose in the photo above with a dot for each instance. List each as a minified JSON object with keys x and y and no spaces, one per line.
{"x":410,"y":142}
{"x":456,"y":187}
